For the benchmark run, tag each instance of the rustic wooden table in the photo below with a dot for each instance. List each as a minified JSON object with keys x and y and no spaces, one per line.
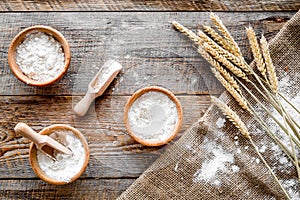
{"x":141,"y":38}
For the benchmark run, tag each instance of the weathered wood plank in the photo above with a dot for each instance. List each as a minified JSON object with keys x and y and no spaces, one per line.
{"x":113,"y":152}
{"x":149,"y":5}
{"x":145,"y":43}
{"x":80,"y":189}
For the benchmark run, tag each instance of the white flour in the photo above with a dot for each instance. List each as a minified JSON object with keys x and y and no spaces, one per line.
{"x":217,"y":163}
{"x":40,"y":57}
{"x":66,"y":166}
{"x":153,"y":116}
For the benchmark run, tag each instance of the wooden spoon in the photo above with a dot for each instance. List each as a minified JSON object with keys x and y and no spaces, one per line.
{"x":98,"y":85}
{"x":44,"y":143}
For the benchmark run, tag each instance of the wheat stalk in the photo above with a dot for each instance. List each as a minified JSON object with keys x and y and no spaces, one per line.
{"x":220,"y":57}
{"x":220,"y":26}
{"x":239,"y":124}
{"x":269,"y":65}
{"x":256,"y":51}
{"x":217,"y":38}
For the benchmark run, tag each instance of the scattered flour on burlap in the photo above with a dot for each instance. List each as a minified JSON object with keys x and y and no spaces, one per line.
{"x":40,"y":57}
{"x":283,"y":85}
{"x":223,"y":162}
{"x":220,"y":122}
{"x":292,"y":187}
{"x":219,"y":162}
{"x":281,"y":163}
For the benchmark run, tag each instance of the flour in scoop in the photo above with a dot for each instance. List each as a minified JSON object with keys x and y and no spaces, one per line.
{"x":153,"y":116}
{"x":40,"y":57}
{"x":105,"y":74}
{"x":66,"y":166}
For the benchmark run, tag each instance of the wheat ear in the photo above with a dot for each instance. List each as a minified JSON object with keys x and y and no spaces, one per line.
{"x":256,"y":51}
{"x":215,"y":54}
{"x":222,"y":28}
{"x":269,"y":64}
{"x":190,"y":34}
{"x":220,"y":68}
{"x":232,"y":116}
{"x":234,"y":93}
{"x":217,"y":38}
{"x":238,"y":61}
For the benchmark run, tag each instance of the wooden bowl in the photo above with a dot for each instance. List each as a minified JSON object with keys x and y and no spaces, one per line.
{"x":21,"y":37}
{"x":134,"y":97}
{"x":33,"y":154}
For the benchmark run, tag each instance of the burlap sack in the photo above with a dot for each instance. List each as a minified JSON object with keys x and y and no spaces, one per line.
{"x":178,"y":173}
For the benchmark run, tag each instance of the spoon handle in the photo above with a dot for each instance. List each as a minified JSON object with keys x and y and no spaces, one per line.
{"x":26,"y":131}
{"x":83,"y":105}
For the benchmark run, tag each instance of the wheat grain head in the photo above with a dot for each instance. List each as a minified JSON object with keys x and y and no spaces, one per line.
{"x":220,"y":68}
{"x":217,"y":38}
{"x":232,"y":116}
{"x":215,"y":54}
{"x":269,"y":64}
{"x":222,"y":28}
{"x":234,"y":93}
{"x":258,"y":58}
{"x":190,"y":34}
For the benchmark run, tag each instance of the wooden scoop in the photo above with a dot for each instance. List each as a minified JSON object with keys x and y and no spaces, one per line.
{"x":98,"y":85}
{"x":44,"y":143}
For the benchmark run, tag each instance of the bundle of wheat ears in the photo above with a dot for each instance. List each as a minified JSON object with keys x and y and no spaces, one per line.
{"x":228,"y":65}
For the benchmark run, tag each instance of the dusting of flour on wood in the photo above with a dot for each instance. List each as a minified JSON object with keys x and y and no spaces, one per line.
{"x":40,"y":57}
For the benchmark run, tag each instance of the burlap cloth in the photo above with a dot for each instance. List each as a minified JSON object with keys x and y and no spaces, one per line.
{"x":174,"y":174}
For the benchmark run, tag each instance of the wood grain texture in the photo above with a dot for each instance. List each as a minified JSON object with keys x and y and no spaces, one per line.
{"x":149,"y":5}
{"x":150,"y":50}
{"x":113,"y":152}
{"x":80,"y":189}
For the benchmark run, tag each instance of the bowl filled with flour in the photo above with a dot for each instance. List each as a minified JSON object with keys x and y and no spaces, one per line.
{"x":153,"y":116}
{"x":39,"y":55}
{"x":65,"y":168}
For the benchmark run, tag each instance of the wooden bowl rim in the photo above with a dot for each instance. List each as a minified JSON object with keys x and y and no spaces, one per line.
{"x":139,"y":93}
{"x":19,"y":38}
{"x":33,"y":154}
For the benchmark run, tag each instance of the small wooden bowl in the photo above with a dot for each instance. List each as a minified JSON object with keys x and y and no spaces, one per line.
{"x":134,"y":97}
{"x":21,"y":37}
{"x":33,"y":154}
